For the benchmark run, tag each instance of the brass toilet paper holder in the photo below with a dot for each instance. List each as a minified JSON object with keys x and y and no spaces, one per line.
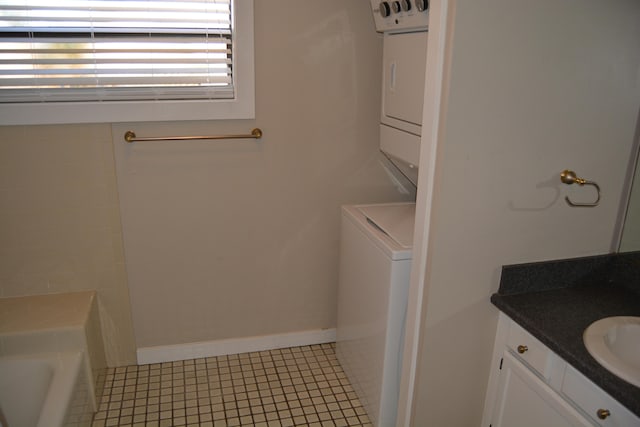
{"x":569,"y":177}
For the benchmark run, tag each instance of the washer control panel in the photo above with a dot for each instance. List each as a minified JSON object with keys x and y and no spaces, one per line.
{"x":400,"y":15}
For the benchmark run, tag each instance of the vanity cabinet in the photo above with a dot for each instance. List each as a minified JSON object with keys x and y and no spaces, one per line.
{"x":524,"y":400}
{"x":531,"y":386}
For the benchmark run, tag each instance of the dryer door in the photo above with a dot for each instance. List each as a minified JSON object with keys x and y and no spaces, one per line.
{"x":405,"y":58}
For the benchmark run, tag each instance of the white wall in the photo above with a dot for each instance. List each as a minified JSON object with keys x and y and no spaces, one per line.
{"x":234,"y":239}
{"x":225,"y":239}
{"x":533,"y":88}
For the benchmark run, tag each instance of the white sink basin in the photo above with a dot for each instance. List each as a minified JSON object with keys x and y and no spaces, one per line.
{"x":615,"y":343}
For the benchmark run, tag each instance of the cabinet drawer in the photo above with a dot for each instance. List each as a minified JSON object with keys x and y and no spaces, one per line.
{"x":530,"y":350}
{"x":593,"y":400}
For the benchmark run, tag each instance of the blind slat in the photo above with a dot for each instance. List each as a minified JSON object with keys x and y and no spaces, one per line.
{"x":114,"y":81}
{"x":204,"y":72}
{"x":200,"y":59}
{"x":144,"y":94}
{"x":101,"y":51}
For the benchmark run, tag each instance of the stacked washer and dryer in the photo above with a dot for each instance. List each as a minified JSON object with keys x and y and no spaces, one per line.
{"x":377,"y":240}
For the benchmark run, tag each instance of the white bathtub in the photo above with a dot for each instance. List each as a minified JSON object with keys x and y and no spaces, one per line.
{"x":51,"y":357}
{"x":44,"y":390}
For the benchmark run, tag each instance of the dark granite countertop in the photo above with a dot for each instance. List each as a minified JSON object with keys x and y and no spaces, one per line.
{"x":556,"y":301}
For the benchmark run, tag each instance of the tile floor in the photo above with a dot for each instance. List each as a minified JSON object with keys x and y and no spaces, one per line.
{"x":298,"y":386}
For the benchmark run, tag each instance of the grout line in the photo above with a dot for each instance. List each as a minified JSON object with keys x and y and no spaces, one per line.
{"x":297,"y":385}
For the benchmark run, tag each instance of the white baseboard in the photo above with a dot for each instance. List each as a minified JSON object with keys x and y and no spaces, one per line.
{"x":195,"y":350}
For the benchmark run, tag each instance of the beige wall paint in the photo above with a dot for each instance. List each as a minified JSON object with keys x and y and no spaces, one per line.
{"x":233,"y":239}
{"x":60,"y":225}
{"x":239,"y":239}
{"x":533,"y":88}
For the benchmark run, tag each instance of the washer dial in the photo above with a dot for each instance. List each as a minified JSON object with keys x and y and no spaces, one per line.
{"x":385,"y":9}
{"x":422,"y":5}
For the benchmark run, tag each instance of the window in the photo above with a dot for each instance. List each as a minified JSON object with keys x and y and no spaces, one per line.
{"x":125,"y":60}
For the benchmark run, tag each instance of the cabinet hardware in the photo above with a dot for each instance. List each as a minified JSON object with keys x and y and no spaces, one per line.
{"x":603,"y":414}
{"x":522,"y":349}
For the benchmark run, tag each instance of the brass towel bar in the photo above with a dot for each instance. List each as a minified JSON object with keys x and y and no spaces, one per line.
{"x":130,"y":136}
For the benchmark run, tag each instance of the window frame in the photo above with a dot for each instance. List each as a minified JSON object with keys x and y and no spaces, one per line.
{"x":241,"y":106}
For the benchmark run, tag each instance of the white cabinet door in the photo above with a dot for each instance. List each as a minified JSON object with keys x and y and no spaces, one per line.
{"x":524,"y":400}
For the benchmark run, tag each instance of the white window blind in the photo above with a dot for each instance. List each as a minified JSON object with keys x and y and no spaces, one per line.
{"x":115,"y":50}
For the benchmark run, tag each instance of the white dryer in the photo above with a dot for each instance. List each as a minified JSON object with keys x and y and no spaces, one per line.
{"x":375,"y":266}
